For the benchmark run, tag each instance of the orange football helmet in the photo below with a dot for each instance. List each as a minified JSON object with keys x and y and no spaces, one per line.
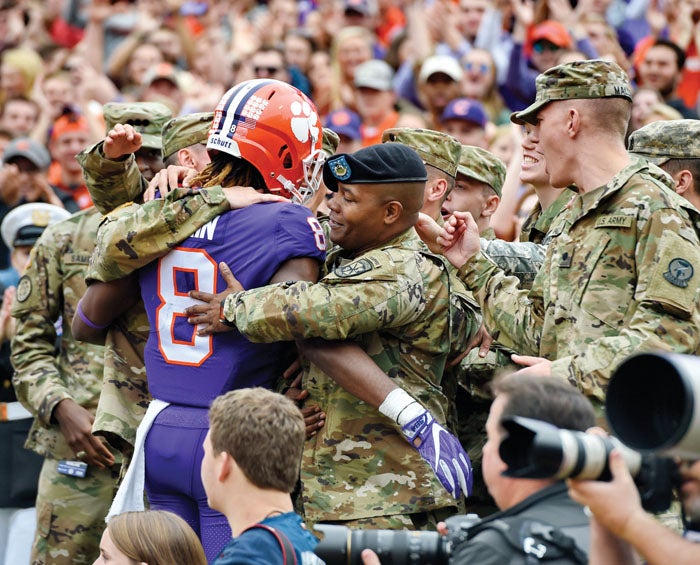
{"x":276,"y":128}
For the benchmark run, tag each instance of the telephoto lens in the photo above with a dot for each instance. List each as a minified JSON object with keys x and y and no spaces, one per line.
{"x":341,"y":545}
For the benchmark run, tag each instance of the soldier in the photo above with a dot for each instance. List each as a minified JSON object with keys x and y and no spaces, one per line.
{"x":616,"y":279}
{"x":674,"y":146}
{"x":390,"y":296}
{"x":480,"y":177}
{"x":79,"y":473}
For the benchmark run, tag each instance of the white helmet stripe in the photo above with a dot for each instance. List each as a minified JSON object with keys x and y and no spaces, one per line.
{"x":233,"y":108}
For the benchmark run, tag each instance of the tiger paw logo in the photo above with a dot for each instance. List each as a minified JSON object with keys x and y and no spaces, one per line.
{"x":304,"y":122}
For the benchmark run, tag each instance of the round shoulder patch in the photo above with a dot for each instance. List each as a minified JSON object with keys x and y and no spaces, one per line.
{"x":679,"y":272}
{"x":24,"y":288}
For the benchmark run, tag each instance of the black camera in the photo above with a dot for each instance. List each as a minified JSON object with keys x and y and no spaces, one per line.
{"x":652,"y":404}
{"x":341,"y":545}
{"x":534,"y":449}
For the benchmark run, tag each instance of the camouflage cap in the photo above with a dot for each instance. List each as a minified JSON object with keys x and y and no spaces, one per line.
{"x":330,"y":141}
{"x":479,"y":164}
{"x":580,"y":79}
{"x":184,"y":131}
{"x":660,"y":141}
{"x":148,"y":118}
{"x":435,"y":148}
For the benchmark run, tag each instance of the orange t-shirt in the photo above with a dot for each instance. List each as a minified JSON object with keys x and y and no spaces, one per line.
{"x":373,"y":135}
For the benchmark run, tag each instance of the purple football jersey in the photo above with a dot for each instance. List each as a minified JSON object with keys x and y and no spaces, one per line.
{"x":254,"y":242}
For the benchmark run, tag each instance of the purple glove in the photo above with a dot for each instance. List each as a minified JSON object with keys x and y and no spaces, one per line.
{"x":443,"y":452}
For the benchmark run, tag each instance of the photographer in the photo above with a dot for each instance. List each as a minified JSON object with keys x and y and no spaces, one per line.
{"x":538,"y":520}
{"x":619,"y":523}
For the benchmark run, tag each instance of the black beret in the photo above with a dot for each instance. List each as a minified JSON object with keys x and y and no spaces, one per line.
{"x":376,"y":164}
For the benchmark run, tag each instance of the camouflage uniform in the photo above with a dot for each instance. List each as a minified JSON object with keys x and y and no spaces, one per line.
{"x":394,"y":302}
{"x":619,"y":272}
{"x":524,"y":258}
{"x":70,"y":510}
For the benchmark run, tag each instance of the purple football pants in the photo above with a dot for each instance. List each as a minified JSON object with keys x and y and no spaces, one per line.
{"x":174,"y":455}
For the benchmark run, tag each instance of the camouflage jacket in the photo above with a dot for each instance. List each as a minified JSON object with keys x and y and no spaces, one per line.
{"x":524,"y":258}
{"x":111,"y":182}
{"x":134,"y":235}
{"x":619,"y":276}
{"x":47,"y":295}
{"x":394,"y":302}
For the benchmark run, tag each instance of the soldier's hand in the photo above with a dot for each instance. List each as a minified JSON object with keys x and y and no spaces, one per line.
{"x":538,"y":366}
{"x":243,"y":196}
{"x":208,"y":316}
{"x":482,"y":339}
{"x":121,"y":140}
{"x":168,"y":179}
{"x":75,"y":423}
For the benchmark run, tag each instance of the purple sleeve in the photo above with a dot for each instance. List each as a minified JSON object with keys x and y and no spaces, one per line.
{"x":298,"y":234}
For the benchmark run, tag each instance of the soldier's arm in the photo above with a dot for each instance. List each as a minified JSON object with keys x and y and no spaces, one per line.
{"x":518,"y":258}
{"x":111,"y":182}
{"x":37,"y":306}
{"x":666,"y":309}
{"x":332,"y":309}
{"x":133,"y":236}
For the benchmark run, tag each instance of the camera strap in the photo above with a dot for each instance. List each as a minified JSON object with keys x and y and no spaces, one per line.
{"x":537,"y":541}
{"x":289,"y":556}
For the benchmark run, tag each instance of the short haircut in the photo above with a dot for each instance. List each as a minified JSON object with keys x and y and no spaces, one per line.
{"x":263,"y":432}
{"x":550,"y":399}
{"x":611,"y":115}
{"x":680,"y":54}
{"x":175,"y":160}
{"x":156,"y":537}
{"x":435,"y":173}
{"x":675,"y":166}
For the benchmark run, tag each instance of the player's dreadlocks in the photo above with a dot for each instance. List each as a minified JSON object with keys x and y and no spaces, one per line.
{"x":225,"y":170}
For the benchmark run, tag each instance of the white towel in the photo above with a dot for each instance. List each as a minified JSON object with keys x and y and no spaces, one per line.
{"x":129,"y":496}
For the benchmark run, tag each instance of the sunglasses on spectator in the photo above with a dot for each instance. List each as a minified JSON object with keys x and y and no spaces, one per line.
{"x":266,"y":70}
{"x":542,"y":46}
{"x":481,"y":68}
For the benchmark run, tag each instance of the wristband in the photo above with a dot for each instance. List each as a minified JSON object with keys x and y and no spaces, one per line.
{"x":87,"y":321}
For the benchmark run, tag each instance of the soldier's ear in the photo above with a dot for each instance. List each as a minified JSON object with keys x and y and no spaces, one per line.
{"x":392,"y":211}
{"x":683,"y":181}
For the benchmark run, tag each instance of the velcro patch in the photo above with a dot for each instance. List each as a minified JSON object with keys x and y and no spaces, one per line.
{"x":618,"y":221}
{"x":353,"y":269}
{"x":24,"y":288}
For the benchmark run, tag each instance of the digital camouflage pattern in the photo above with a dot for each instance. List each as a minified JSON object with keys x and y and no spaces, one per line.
{"x":524,"y":258}
{"x":185,"y":131}
{"x":135,"y":235}
{"x":478,"y":164}
{"x":434,"y":148}
{"x":620,"y":276}
{"x":393,"y":301}
{"x":70,"y":510}
{"x":579,"y":79}
{"x":147,"y":118}
{"x":111,"y":182}
{"x":71,"y":515}
{"x":660,"y":141}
